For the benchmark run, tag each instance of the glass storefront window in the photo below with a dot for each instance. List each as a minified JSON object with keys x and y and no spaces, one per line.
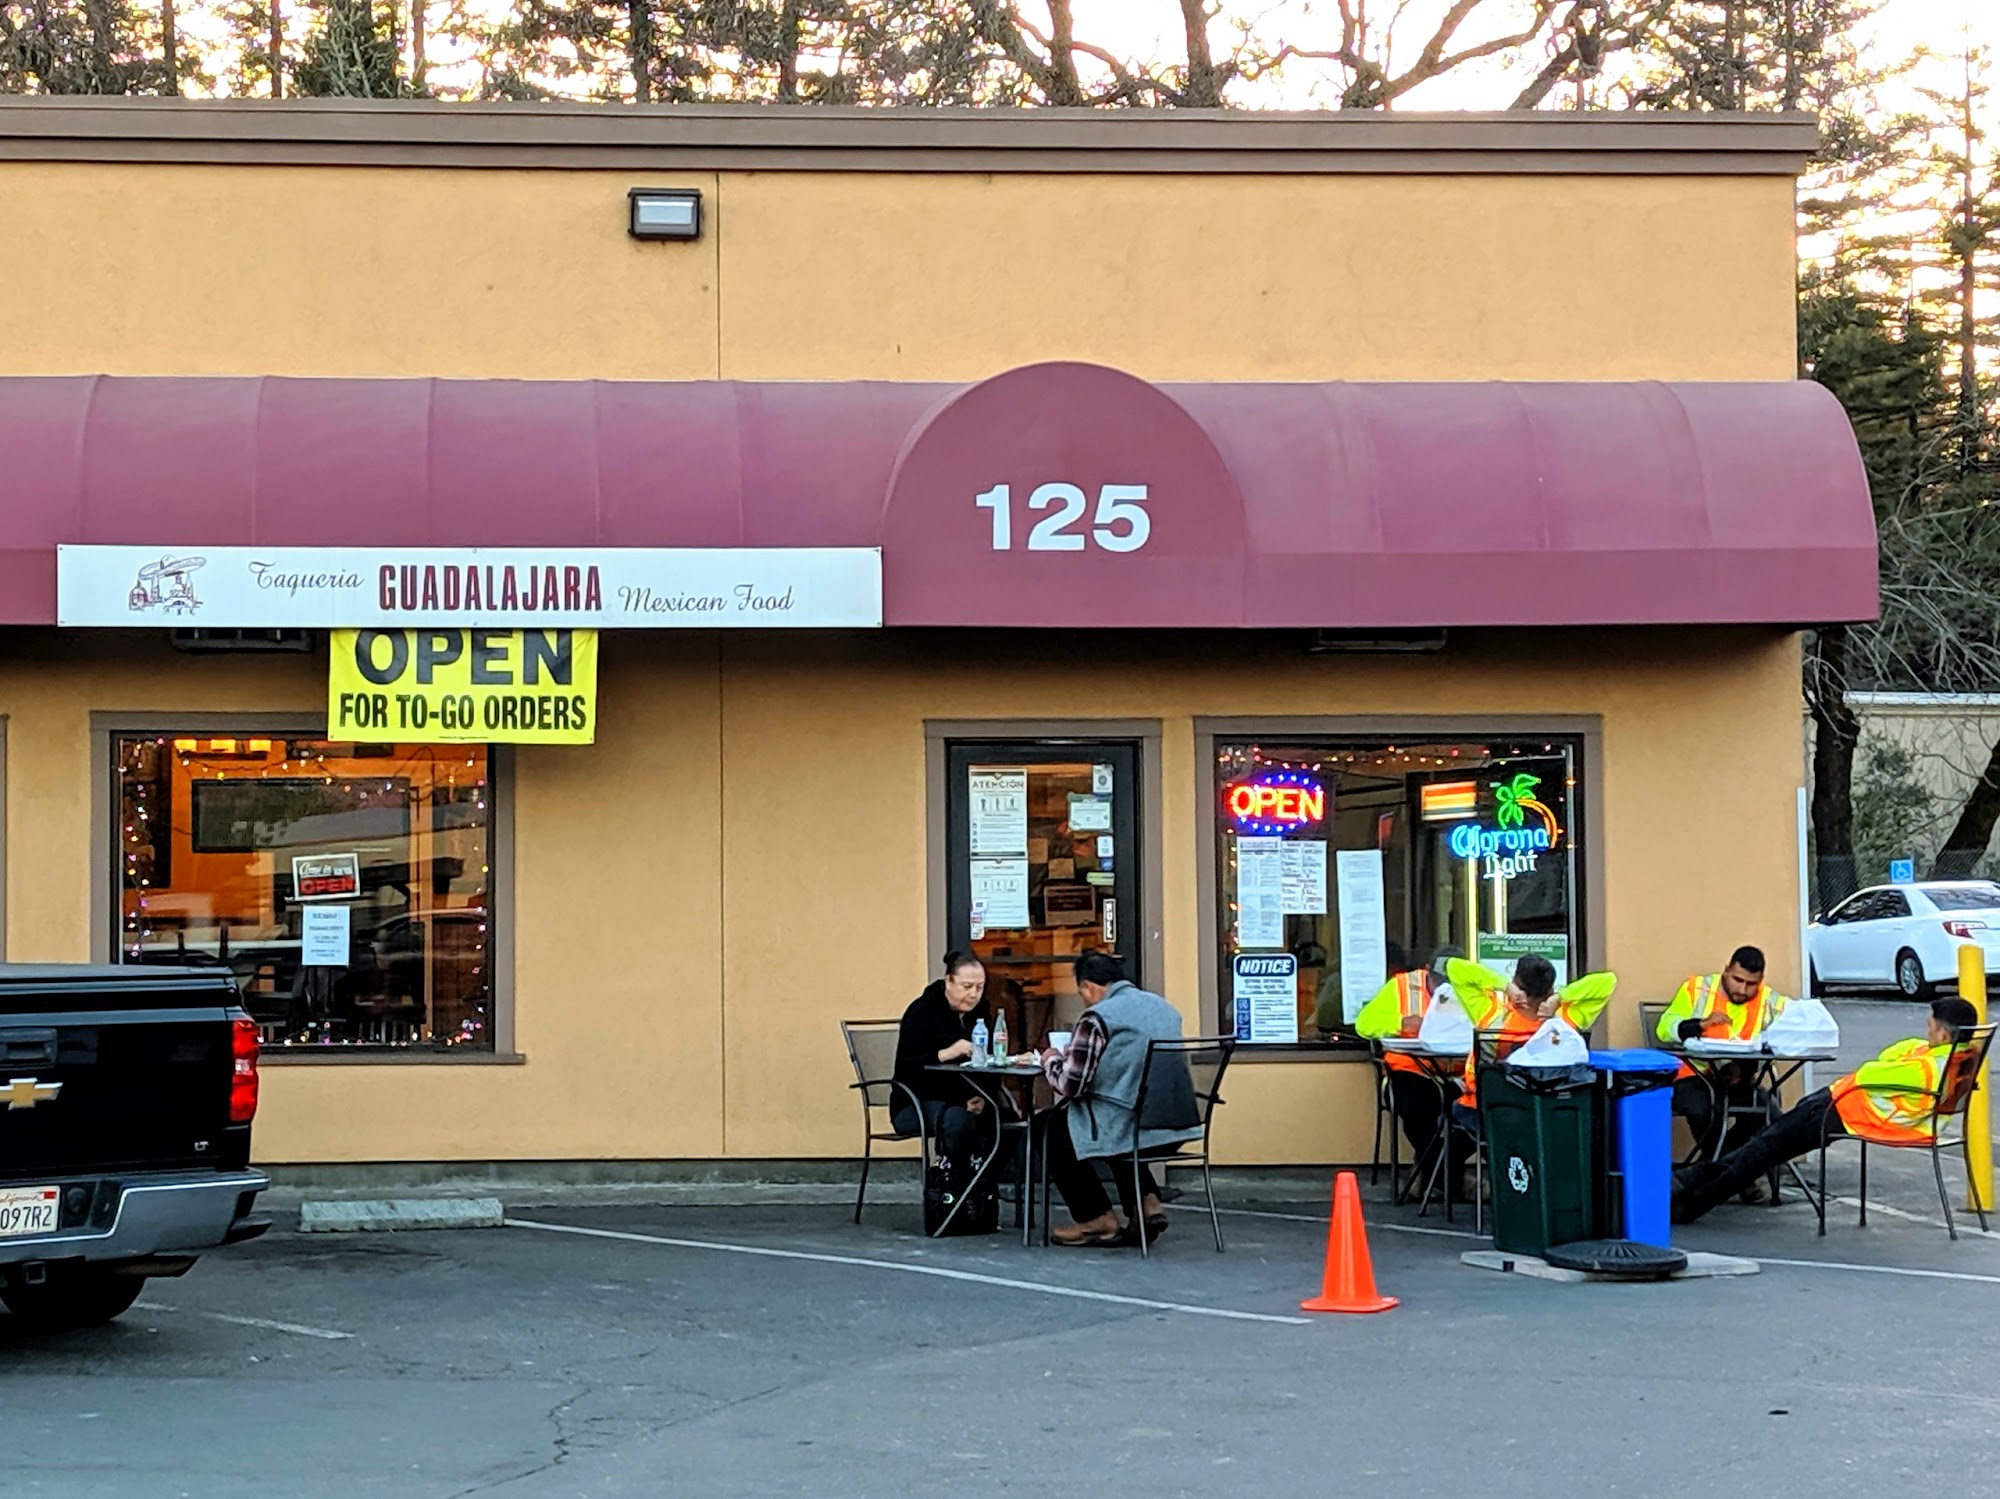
{"x":274,"y":856}
{"x":1343,"y":861}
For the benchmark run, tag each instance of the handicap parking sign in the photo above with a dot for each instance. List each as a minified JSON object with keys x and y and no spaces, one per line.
{"x":1902,"y":871}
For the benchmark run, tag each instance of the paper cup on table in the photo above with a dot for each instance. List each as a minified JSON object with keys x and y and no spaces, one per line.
{"x":1060,"y":1040}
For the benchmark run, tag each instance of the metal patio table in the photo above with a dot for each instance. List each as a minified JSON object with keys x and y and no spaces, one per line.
{"x":990,"y":1083}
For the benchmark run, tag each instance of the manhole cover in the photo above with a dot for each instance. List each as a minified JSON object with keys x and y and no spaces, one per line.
{"x":1621,"y":1259}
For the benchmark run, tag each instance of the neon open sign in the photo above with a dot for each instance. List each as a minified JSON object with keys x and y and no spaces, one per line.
{"x":1275,"y":802}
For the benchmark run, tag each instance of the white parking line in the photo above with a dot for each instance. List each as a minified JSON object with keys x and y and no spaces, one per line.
{"x":1451,"y":1233}
{"x":1074,"y":1293}
{"x":1393,"y":1228}
{"x":1988,"y":1280}
{"x":295,"y":1328}
{"x":1965,"y":1231}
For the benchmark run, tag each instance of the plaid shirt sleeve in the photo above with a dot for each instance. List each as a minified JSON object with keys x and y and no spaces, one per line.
{"x":1070,"y":1073}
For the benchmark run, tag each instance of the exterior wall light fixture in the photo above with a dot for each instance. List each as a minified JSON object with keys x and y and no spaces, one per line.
{"x":665,"y":213}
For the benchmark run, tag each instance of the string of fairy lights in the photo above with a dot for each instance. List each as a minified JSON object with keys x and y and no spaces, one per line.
{"x":161,"y":900}
{"x":1235,"y":762}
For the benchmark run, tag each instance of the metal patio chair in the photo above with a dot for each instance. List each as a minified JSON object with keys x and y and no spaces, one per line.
{"x":1957,"y":1080}
{"x":871,"y":1047}
{"x":1163,"y":1104}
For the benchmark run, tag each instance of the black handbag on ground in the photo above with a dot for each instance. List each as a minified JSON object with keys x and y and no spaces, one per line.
{"x":945,"y":1183}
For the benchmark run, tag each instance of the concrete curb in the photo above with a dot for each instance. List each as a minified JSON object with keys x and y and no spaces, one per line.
{"x":397,"y":1214}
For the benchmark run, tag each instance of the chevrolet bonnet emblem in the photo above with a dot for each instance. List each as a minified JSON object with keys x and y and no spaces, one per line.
{"x":26,"y":1092}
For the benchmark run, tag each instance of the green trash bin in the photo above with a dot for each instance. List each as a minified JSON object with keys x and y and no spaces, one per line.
{"x":1541,"y":1152}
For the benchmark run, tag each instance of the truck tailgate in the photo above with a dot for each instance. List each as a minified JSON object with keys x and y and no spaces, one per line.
{"x":95,"y":1081}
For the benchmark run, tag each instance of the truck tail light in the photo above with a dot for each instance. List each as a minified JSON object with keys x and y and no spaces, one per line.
{"x":243,"y":1080}
{"x":1964,"y":929}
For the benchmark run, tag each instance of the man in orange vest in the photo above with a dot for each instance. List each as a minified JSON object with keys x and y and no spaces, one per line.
{"x":1902,"y":1116}
{"x":1416,"y":1098}
{"x":1733,"y":1005}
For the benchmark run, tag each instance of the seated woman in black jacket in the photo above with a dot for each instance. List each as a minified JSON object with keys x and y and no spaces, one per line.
{"x":937,"y":1027}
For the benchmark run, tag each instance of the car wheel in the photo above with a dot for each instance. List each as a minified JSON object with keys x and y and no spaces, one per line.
{"x":1910,"y":980}
{"x":73,"y":1296}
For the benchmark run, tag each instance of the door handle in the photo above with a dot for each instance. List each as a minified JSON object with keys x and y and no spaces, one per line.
{"x":27,"y":1048}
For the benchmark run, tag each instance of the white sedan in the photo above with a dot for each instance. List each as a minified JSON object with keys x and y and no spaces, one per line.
{"x":1905,"y":937}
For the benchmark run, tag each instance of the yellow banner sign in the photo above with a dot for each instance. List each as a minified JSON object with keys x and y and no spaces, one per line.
{"x":463,"y":686}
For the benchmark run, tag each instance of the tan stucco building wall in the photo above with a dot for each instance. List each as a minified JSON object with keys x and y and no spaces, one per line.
{"x":740,"y":861}
{"x":680,"y":955}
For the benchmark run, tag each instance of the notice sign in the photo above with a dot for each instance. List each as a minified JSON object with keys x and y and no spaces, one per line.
{"x":463,"y":686}
{"x":326,"y":876}
{"x":324,"y":933}
{"x":1266,"y":994}
{"x":998,"y":798}
{"x":1000,"y":893}
{"x":1500,"y":951}
{"x":1364,"y":942}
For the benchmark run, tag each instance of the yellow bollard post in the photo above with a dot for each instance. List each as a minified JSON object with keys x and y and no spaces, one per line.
{"x":1979,"y":1112}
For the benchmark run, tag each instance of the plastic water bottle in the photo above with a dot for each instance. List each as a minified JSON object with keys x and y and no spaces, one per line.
{"x":978,"y":1057}
{"x":999,"y":1040}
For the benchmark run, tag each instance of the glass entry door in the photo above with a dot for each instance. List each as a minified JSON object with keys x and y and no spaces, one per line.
{"x":1042,"y":863}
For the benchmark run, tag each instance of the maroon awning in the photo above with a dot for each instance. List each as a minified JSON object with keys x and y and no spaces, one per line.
{"x":1265,"y":505}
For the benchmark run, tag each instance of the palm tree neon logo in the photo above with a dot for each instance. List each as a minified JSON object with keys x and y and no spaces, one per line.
{"x":1511,"y":845}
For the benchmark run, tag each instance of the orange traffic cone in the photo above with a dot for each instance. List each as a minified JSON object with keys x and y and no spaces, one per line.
{"x":1349,"y":1282}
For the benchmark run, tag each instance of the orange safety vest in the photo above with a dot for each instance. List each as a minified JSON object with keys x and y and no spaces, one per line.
{"x":1906,"y":1116}
{"x":1513,"y":1029}
{"x":1413,"y":997}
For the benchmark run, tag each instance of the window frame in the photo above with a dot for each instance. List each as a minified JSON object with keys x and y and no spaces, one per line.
{"x":1586,"y":730}
{"x":106,"y":889}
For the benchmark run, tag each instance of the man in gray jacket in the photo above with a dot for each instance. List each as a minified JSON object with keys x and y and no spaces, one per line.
{"x":1098,"y":1076}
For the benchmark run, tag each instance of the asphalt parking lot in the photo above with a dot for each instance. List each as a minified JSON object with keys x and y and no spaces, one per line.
{"x":740,"y":1351}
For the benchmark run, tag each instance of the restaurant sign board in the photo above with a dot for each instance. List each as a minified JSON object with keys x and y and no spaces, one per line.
{"x":636,"y":588}
{"x":463,"y":686}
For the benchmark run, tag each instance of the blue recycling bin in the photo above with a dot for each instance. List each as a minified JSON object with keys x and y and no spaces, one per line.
{"x":1638,"y":1119}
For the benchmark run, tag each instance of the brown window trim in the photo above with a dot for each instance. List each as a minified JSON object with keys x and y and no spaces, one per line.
{"x":1588,"y":729}
{"x":402,"y":133}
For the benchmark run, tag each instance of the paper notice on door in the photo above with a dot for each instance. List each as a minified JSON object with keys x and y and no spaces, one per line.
{"x":1100,"y":779}
{"x":1260,"y":892}
{"x":1266,"y":989}
{"x":998,"y":801}
{"x":324,"y":933}
{"x":1106,"y":845}
{"x":1000,"y":888}
{"x":1303,"y":872}
{"x":1089,"y":814}
{"x":1364,"y":943}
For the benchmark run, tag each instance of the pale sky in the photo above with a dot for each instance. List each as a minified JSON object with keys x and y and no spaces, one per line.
{"x":1141,"y":27}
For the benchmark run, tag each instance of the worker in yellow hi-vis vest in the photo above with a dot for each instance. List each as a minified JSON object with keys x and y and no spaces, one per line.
{"x":1733,"y":1005}
{"x":1515,"y":1008}
{"x":1415,"y":1097}
{"x":1854,"y":1105}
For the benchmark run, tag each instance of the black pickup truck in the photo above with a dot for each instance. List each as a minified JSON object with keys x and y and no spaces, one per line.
{"x":126,"y":1095}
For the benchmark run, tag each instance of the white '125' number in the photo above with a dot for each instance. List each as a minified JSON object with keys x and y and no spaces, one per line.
{"x":1121,"y":523}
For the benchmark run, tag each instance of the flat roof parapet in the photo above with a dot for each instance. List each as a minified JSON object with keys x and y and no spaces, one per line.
{"x":723,"y":137}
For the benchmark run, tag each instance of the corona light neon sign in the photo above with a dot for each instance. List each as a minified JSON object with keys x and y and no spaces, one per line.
{"x":1511,"y":846}
{"x":1275,"y":802}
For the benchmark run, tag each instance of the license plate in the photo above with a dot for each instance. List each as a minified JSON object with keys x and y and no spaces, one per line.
{"x":29,"y":1210}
